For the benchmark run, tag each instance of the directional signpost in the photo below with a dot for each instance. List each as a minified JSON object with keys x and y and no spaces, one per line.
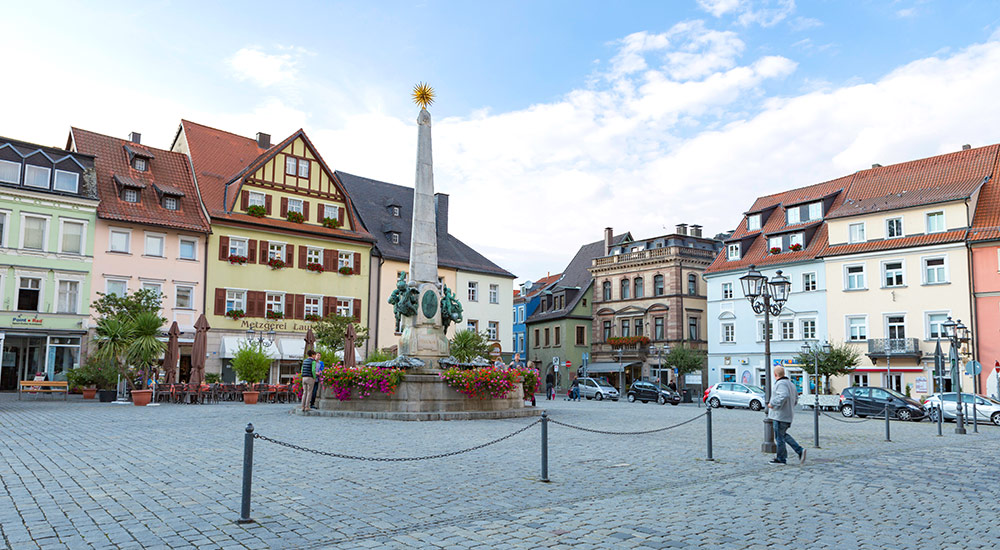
{"x":973,"y":368}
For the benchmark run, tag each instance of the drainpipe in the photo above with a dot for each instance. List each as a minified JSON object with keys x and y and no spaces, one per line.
{"x":973,"y":334}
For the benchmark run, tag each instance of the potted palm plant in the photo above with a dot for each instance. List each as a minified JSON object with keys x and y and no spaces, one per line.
{"x":251,"y":364}
{"x":131,"y":340}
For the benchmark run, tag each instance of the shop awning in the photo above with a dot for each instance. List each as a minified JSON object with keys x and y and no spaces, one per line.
{"x":596,"y":368}
{"x":292,"y":348}
{"x":232,"y":343}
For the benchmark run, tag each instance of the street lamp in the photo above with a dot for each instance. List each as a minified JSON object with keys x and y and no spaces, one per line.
{"x":621,"y":376}
{"x":956,"y":333}
{"x":767,"y":297}
{"x":260,"y":337}
{"x":809,"y":350}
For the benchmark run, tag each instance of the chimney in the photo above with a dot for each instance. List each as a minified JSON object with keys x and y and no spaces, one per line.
{"x":608,"y":236}
{"x":135,"y":137}
{"x":695,"y":230}
{"x":681,"y":229}
{"x":966,"y":147}
{"x":263,"y":140}
{"x":876,"y":165}
{"x":441,"y":210}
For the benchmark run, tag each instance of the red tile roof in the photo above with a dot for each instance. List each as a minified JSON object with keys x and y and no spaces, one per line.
{"x":949,"y":177}
{"x":757,"y":254}
{"x":776,"y":220}
{"x":986,"y":221}
{"x":218,"y":156}
{"x":542,"y":284}
{"x":165,"y":169}
{"x":890,"y":244}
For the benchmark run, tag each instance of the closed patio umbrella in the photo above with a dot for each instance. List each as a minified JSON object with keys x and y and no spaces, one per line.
{"x":310,"y":339}
{"x":198,"y":350}
{"x":349,"y":346}
{"x":173,"y":354}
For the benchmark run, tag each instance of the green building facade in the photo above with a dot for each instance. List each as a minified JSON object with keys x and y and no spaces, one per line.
{"x":559,"y":333}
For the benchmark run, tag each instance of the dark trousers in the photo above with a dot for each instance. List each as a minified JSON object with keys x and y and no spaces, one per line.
{"x":781,"y":437}
{"x":312,"y":399}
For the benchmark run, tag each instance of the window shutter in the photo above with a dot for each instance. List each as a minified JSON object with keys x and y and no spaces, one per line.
{"x":267,"y":204}
{"x":284,"y":207}
{"x":223,"y":248}
{"x":329,"y":305}
{"x":319,"y":212}
{"x":340,"y":216}
{"x":220,"y":301}
{"x":255,"y":303}
{"x":305,"y":210}
{"x":290,"y":255}
{"x":252,"y":251}
{"x":263,"y":252}
{"x":244,"y":199}
{"x":300,"y":306}
{"x":357,"y":263}
{"x":356,"y":308}
{"x":329,"y":259}
{"x":302,"y":256}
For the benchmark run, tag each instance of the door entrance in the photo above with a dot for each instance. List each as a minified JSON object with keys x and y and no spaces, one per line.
{"x":23,"y":356}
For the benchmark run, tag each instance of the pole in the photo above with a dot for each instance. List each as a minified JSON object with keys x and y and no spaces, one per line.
{"x":888,"y":382}
{"x":816,"y":404}
{"x":247,"y":475}
{"x":939,"y":374}
{"x":768,"y":445}
{"x":545,"y":446}
{"x":975,"y":392}
{"x":957,"y":375}
{"x":708,"y":418}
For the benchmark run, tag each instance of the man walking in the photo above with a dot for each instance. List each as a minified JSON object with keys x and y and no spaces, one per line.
{"x":308,"y":378}
{"x":781,"y":411}
{"x":550,"y":382}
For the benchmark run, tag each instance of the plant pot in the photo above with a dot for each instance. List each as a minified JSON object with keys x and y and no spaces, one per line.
{"x":89,"y":393}
{"x":106,"y":396}
{"x":250,"y":397}
{"x":141,"y":398}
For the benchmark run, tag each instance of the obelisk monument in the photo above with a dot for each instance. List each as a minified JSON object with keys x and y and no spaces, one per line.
{"x":423,"y":333}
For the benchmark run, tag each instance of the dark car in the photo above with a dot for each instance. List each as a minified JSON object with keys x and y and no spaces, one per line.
{"x":868,"y":401}
{"x":648,"y":391}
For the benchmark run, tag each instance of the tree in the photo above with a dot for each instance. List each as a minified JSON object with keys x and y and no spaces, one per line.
{"x":128,"y":332}
{"x":145,"y":349}
{"x":685,"y":359}
{"x":128,"y":305}
{"x":466,"y":345}
{"x":251,"y":363}
{"x":332,"y":329}
{"x":842,"y":359}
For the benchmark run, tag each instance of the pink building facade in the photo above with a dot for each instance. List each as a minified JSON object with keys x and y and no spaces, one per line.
{"x":986,"y":281}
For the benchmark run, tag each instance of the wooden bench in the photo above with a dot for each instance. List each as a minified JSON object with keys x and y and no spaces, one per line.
{"x":38,"y":386}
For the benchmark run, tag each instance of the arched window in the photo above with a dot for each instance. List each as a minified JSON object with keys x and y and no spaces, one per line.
{"x":658,"y":285}
{"x":624,"y":289}
{"x":606,"y":290}
{"x":693,"y":284}
{"x":638,"y":293}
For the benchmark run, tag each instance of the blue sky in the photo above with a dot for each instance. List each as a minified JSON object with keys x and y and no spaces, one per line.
{"x":554,"y":119}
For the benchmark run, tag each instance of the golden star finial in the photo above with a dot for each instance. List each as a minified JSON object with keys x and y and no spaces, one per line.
{"x":423,"y":95}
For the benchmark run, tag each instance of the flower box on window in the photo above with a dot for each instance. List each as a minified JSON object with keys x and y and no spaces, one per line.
{"x":332,"y":223}
{"x":775,"y":250}
{"x":256,"y":211}
{"x":628,"y":340}
{"x":795,"y":247}
{"x":236,"y":314}
{"x":312,"y":317}
{"x":346,"y":270}
{"x":316,"y":267}
{"x":235,"y":259}
{"x":275,"y":315}
{"x":295,"y":217}
{"x":275,"y":263}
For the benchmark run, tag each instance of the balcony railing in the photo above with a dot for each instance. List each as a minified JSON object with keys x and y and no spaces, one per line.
{"x":893,"y":346}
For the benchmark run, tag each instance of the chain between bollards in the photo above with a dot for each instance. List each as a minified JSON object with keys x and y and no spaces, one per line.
{"x":247,"y":475}
{"x":708,"y":423}
{"x":545,"y":447}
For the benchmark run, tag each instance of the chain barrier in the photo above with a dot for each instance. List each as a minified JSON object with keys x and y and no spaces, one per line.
{"x":860,"y":420}
{"x":591,"y":430}
{"x":392,"y":459}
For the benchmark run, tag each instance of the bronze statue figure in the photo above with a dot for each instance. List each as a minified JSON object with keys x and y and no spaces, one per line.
{"x":451,"y":309}
{"x":403,"y":300}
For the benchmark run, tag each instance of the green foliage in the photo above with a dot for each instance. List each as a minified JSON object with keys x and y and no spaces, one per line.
{"x":129,"y":305}
{"x":127,"y":332}
{"x":332,"y":329}
{"x":466,"y":345}
{"x":685,"y":359}
{"x":530,"y":379}
{"x":481,"y":383}
{"x":842,"y":359}
{"x":379,"y":356}
{"x":93,"y":372}
{"x":251,"y":363}
{"x":360,"y":381}
{"x":146,"y":348}
{"x":328,"y":355}
{"x":213,"y":378}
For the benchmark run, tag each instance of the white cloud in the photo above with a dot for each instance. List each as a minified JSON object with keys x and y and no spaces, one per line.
{"x":266,"y":69}
{"x":765,"y":13}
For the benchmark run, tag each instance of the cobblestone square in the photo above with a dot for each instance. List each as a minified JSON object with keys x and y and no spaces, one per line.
{"x":82,"y":474}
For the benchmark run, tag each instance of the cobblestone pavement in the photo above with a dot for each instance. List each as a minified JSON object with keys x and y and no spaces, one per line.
{"x":82,"y":474}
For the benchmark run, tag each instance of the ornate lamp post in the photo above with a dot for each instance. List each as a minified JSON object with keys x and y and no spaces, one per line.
{"x":260,"y":337}
{"x":957,"y":333}
{"x":807,"y":349}
{"x":767,"y":297}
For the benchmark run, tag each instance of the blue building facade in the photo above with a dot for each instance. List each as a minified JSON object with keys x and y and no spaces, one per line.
{"x":525,"y":303}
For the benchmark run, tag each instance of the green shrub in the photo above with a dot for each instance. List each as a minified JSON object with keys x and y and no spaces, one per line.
{"x":251,"y":363}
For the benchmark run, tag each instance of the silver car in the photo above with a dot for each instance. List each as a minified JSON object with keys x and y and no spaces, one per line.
{"x":987,"y":409}
{"x":731,"y":394}
{"x":594,"y":388}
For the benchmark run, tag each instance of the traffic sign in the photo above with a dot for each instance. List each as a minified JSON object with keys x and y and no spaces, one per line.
{"x":973,"y":367}
{"x":568,"y":364}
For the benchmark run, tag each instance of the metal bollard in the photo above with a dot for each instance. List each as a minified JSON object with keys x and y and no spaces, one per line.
{"x":886,"y":413}
{"x":545,"y":446}
{"x":708,"y":417}
{"x":247,"y":475}
{"x":940,"y":419}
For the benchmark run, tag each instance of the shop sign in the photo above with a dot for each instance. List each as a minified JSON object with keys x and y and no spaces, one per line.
{"x":24,"y":321}
{"x":920,"y":384}
{"x":277,"y":326}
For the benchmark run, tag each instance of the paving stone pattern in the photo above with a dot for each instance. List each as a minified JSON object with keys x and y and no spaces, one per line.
{"x":82,"y":474}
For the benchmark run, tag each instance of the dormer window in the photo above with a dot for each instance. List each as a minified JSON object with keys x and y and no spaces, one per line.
{"x":796,"y":239}
{"x":815,"y":211}
{"x":394,"y":237}
{"x":130,"y":195}
{"x":170,"y":203}
{"x":139,"y":164}
{"x":753,"y":222}
{"x":255,"y":198}
{"x":774,"y":242}
{"x":793,"y":215}
{"x":733,"y":252}
{"x":395,"y":211}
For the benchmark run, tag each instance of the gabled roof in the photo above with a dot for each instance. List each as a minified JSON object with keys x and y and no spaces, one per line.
{"x":165,"y":169}
{"x":986,"y":221}
{"x":576,"y":276}
{"x":793,"y":197}
{"x":542,"y":284}
{"x":218,"y":156}
{"x":373,"y":199}
{"x":948,"y":177}
{"x":956,"y":235}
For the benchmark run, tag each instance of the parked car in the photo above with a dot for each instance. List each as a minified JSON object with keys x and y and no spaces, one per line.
{"x":648,"y":391}
{"x":732,"y":394}
{"x":595,"y":388}
{"x":870,"y":401}
{"x":987,"y":409}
